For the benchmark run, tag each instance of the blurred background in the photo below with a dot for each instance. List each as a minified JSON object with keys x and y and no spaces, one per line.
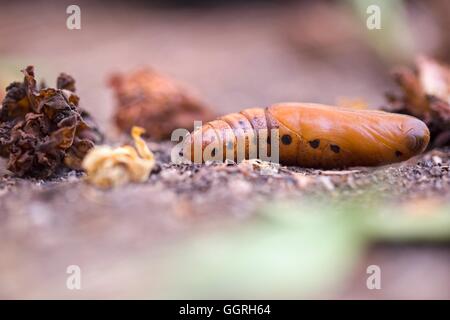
{"x":146,"y":241}
{"x":234,"y":54}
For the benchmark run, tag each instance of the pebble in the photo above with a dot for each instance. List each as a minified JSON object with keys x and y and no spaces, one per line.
{"x":326,"y":181}
{"x":437,"y":159}
{"x":436,"y":171}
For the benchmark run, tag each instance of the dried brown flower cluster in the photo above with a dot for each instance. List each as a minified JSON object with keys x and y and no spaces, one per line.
{"x":43,"y":130}
{"x":426,"y":95}
{"x":158,"y":104}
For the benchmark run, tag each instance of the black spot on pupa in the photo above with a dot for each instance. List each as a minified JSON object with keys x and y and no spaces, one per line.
{"x":286,"y":139}
{"x":335,"y":148}
{"x":180,"y":153}
{"x":314,"y":143}
{"x":241,"y":122}
{"x":213,"y":152}
{"x":398,"y":153}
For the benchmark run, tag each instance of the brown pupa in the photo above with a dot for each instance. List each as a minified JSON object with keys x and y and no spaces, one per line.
{"x":311,"y":135}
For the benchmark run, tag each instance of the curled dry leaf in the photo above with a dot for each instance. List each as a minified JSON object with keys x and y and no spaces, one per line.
{"x":156,"y":103}
{"x":426,"y":95}
{"x":108,"y":167}
{"x":43,"y":130}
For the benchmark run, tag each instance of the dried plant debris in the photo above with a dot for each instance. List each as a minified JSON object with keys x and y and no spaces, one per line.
{"x":108,"y":167}
{"x":43,"y":130}
{"x":426,"y":95}
{"x":263,"y":167}
{"x":158,"y":104}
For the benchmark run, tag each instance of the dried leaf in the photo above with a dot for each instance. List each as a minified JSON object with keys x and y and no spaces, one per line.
{"x":156,"y":103}
{"x":426,"y":95}
{"x":434,"y":78}
{"x":108,"y":167}
{"x":41,"y":129}
{"x":65,"y":82}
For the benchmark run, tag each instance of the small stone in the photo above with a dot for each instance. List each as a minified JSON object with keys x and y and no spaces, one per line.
{"x":436,"y":172}
{"x":437,"y":159}
{"x":328,"y":184}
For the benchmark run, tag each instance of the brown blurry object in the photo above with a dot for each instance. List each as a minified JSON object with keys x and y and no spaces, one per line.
{"x":2,"y":89}
{"x":426,"y":95}
{"x":3,"y":86}
{"x":156,"y":103}
{"x":44,"y":130}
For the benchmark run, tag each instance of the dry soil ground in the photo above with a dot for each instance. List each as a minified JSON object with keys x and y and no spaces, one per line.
{"x":234,"y":59}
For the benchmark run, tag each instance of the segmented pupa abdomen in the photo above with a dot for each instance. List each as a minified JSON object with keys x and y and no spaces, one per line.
{"x":233,"y":133}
